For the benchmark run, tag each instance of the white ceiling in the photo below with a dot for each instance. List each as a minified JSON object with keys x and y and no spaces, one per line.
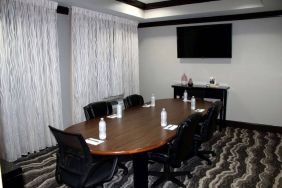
{"x":213,"y":8}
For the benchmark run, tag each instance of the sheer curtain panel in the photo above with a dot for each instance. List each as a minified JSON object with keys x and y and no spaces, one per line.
{"x":104,"y":58}
{"x":30,"y":95}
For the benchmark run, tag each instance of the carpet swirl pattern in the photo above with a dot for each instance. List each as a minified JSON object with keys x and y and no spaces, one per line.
{"x":245,"y":158}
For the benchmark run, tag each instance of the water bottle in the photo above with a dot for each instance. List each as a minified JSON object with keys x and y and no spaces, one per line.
{"x":102,"y":129}
{"x":185,"y":96}
{"x":193,"y":103}
{"x":163,"y":118}
{"x":153,"y":100}
{"x":119,"y":110}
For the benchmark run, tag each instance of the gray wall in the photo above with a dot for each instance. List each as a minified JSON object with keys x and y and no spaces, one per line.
{"x":254,"y":73}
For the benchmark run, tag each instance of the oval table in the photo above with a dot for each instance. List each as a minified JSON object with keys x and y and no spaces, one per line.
{"x":137,"y":132}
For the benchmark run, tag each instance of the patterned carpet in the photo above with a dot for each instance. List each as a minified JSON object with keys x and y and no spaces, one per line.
{"x":245,"y":158}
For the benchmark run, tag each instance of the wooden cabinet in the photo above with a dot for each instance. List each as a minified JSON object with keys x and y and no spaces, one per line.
{"x":203,"y":91}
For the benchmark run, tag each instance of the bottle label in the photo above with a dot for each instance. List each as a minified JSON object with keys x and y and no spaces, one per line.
{"x":102,"y":126}
{"x":102,"y":129}
{"x":152,"y":101}
{"x":163,"y":118}
{"x":102,"y":135}
{"x":163,"y":124}
{"x":119,"y":111}
{"x":193,"y":104}
{"x":185,"y":96}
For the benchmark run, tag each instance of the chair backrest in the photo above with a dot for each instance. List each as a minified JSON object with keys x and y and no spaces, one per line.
{"x":133,"y":100}
{"x":73,"y":159}
{"x":210,"y":121}
{"x":97,"y":109}
{"x":182,"y":146}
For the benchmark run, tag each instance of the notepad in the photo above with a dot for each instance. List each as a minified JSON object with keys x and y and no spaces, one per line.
{"x":199,"y":110}
{"x":112,"y":116}
{"x":186,"y":100}
{"x":166,"y":127}
{"x":146,"y":106}
{"x":171,"y":127}
{"x":93,"y":141}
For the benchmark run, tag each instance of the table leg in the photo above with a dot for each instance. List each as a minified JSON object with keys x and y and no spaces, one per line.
{"x":140,"y":170}
{"x":225,"y":104}
{"x":223,"y":111}
{"x":221,"y":116}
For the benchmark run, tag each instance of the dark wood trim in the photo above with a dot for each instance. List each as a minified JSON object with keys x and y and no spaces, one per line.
{"x":134,"y":3}
{"x":162,"y":4}
{"x":62,"y":10}
{"x":253,"y":126}
{"x":213,"y":19}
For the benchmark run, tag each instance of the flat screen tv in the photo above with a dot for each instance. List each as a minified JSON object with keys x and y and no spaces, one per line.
{"x":205,"y":41}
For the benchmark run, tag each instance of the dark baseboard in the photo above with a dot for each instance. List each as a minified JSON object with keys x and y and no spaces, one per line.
{"x":253,"y":126}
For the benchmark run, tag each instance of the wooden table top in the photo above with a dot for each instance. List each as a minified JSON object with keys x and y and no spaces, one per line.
{"x":139,"y":129}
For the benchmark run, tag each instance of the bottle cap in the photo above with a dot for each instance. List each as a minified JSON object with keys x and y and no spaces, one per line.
{"x":102,"y":118}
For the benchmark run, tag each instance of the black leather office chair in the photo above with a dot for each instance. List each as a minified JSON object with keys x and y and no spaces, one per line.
{"x":206,"y":129}
{"x":76,"y":167}
{"x":133,"y":100}
{"x":179,"y":149}
{"x":99,"y":109}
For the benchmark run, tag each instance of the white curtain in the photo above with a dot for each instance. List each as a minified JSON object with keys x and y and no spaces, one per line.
{"x":30,"y":95}
{"x":104,"y":58}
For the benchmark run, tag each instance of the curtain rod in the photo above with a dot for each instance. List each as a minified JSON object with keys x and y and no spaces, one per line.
{"x":62,"y":10}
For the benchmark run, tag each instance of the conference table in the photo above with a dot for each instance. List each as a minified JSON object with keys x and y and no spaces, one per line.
{"x":137,"y":132}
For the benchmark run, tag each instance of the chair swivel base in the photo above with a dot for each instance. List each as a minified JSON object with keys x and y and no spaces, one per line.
{"x":168,"y":175}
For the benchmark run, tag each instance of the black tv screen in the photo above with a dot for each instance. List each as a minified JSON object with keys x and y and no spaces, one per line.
{"x":205,"y":41}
